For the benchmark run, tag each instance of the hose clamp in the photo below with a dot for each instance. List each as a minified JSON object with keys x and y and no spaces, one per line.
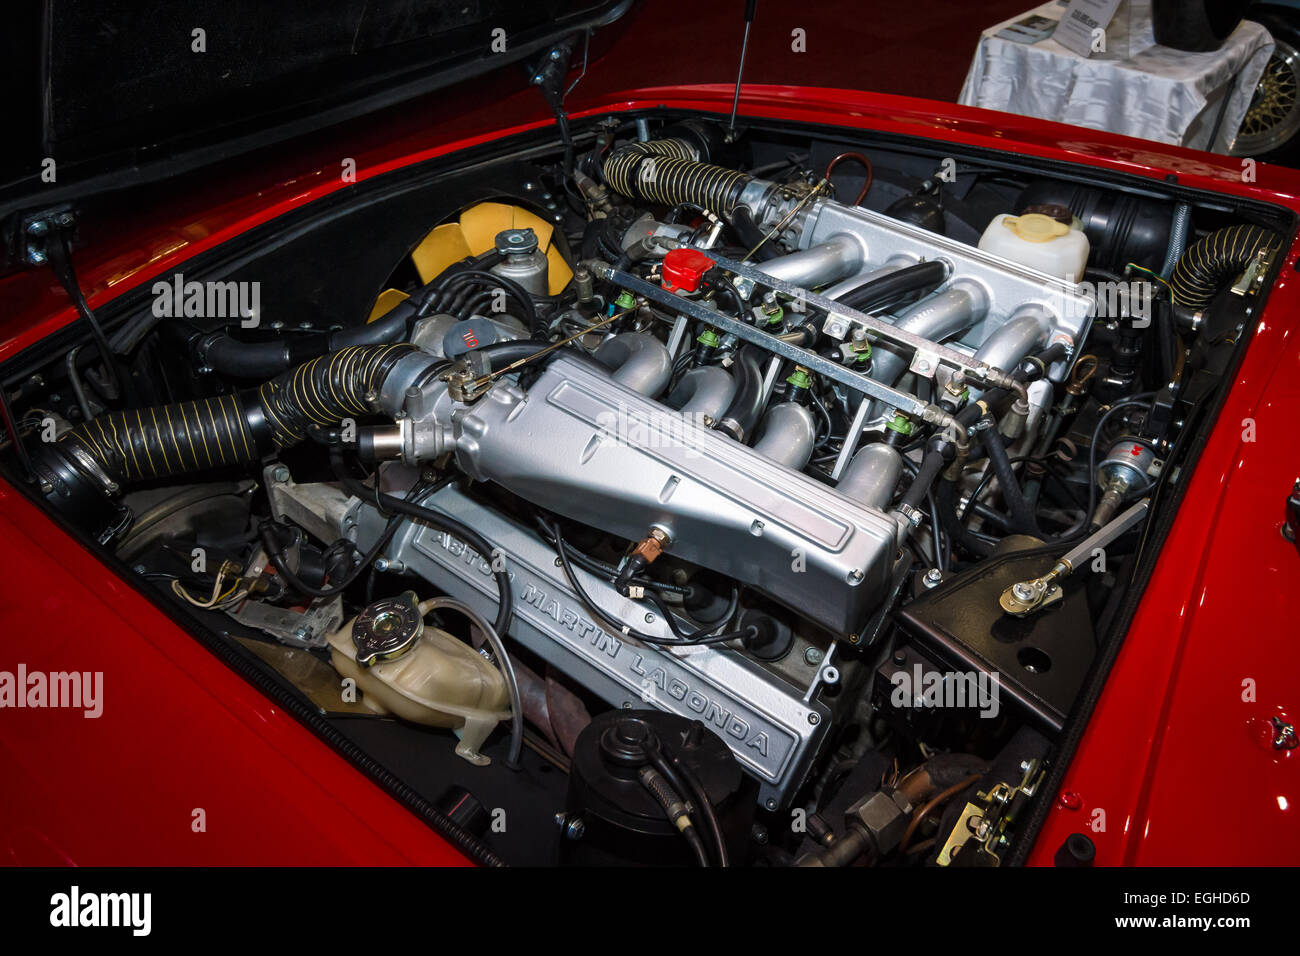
{"x":912,"y":515}
{"x":87,"y":463}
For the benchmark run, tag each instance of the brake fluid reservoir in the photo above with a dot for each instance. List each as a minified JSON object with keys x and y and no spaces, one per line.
{"x":421,"y":674}
{"x":1039,"y":242}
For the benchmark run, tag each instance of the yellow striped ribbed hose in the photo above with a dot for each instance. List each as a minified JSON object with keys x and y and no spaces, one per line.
{"x":1205,"y":266}
{"x":143,"y":443}
{"x":667,"y":171}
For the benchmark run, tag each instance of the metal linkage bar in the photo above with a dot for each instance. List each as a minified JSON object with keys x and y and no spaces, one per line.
{"x":902,"y":401}
{"x":980,"y":371}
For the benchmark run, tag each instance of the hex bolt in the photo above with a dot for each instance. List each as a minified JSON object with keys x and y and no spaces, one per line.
{"x":933,"y":578}
{"x":813,"y":656}
{"x":280,"y":473}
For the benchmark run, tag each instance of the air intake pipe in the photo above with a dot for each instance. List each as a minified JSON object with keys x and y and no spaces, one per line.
{"x":669,"y":171}
{"x":637,"y":360}
{"x":98,"y":458}
{"x":1209,"y":263}
{"x":937,"y":317}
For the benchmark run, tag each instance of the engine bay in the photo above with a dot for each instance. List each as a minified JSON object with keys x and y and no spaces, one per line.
{"x":670,"y":495}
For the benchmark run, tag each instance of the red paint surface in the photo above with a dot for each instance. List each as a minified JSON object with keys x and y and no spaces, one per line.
{"x":1173,"y":755}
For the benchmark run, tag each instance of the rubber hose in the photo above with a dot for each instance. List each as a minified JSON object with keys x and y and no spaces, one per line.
{"x":751,"y":236}
{"x":142,"y":443}
{"x":742,"y":414}
{"x":237,"y":429}
{"x":259,"y":360}
{"x":668,"y":171}
{"x":1022,"y":516}
{"x":1031,"y":369}
{"x":1210,"y":262}
{"x":946,"y":497}
{"x":887,"y":288}
{"x":931,"y":464}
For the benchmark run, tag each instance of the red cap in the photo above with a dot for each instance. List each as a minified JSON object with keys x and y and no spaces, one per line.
{"x":683,"y":269}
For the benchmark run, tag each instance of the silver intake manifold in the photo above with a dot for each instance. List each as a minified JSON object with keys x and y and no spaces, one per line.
{"x":585,"y":445}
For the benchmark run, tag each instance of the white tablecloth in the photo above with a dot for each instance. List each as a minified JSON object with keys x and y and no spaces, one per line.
{"x":1155,"y":93}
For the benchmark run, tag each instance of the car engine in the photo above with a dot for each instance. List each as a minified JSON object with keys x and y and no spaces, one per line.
{"x":749,"y":521}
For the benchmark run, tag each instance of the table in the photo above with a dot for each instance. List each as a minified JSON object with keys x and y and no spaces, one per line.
{"x":1189,"y":99}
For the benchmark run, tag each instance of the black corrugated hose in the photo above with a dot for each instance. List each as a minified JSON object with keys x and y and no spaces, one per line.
{"x":237,"y":429}
{"x":1210,"y":262}
{"x":668,"y":171}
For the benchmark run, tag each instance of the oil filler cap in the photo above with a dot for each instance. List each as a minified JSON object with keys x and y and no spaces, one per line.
{"x":683,"y":269}
{"x":387,"y":629}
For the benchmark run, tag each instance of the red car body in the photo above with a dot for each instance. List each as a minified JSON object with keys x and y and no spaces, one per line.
{"x":1176,"y":765}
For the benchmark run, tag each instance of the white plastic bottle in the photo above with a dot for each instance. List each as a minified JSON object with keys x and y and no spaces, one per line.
{"x":1039,"y":242}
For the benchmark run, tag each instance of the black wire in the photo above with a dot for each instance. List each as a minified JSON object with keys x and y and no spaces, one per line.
{"x":826,"y":417}
{"x":60,"y":257}
{"x":275,"y":550}
{"x":618,"y":627}
{"x":687,"y":785}
{"x":444,"y":523}
{"x":605,"y":569}
{"x":1081,"y":527}
{"x":666,"y":611}
{"x":704,"y":806}
{"x":516,"y":291}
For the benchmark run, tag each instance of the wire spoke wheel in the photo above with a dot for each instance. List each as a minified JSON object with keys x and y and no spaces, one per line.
{"x":1273,"y":116}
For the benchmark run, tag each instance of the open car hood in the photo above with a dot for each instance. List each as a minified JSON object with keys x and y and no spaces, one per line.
{"x":212,"y":79}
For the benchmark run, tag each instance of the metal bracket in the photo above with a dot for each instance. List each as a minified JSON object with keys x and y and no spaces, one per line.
{"x":295,"y":628}
{"x":924,"y":364}
{"x":34,"y":232}
{"x":981,"y":372}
